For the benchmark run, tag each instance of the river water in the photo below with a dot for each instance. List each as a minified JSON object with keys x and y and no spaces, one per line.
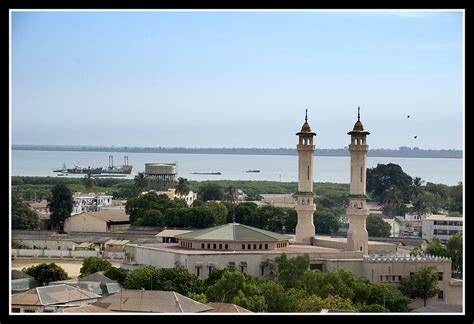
{"x":232,"y":167}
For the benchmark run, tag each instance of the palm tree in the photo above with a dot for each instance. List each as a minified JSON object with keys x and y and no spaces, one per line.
{"x":416,"y":187}
{"x":182,"y":188}
{"x":392,"y":199}
{"x":88,"y":181}
{"x":140,"y":182}
{"x":230,"y":195}
{"x":419,"y":206}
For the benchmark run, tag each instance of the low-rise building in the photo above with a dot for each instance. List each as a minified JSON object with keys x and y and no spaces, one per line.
{"x":151,"y":301}
{"x":171,"y":193}
{"x":51,"y":299}
{"x":90,"y":202}
{"x":442,"y":227}
{"x":104,"y":221}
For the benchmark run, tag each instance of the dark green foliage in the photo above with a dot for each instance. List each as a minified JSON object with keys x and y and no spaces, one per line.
{"x":60,"y":205}
{"x":455,"y":252}
{"x":150,"y":217}
{"x":88,"y":182}
{"x":182,"y":187}
{"x":373,"y":308}
{"x":140,"y":183}
{"x":377,"y":227}
{"x":23,"y":217}
{"x":45,"y":273}
{"x":93,"y":264}
{"x":118,"y":274}
{"x":137,"y":206}
{"x":326,"y":220}
{"x":169,"y":279}
{"x":384,"y":176}
{"x":210,"y":191}
{"x":421,"y":284}
{"x":387,"y":296}
{"x":289,"y":272}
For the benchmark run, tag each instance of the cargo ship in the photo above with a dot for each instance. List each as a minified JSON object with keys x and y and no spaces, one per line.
{"x":111,"y":169}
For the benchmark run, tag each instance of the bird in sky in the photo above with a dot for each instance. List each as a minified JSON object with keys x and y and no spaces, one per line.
{"x":415,"y":137}
{"x":408,"y":116}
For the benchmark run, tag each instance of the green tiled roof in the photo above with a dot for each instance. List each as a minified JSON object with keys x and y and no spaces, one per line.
{"x":233,"y":232}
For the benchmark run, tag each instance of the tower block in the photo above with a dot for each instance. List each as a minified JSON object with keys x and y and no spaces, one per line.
{"x":357,"y":212}
{"x":305,"y":206}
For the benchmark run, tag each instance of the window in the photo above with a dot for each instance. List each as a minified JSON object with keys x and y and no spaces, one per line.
{"x":202,"y":245}
{"x":243,"y":246}
{"x":266,"y":246}
{"x":208,"y":245}
{"x":260,"y":246}
{"x":210,"y":269}
{"x":360,"y":174}
{"x":59,"y":248}
{"x":249,"y":246}
{"x":220,"y":246}
{"x":214,"y":246}
{"x":399,"y":278}
{"x":440,"y":295}
{"x":393,"y":278}
{"x":308,"y":172}
{"x":262,"y":270}
{"x":440,"y":276}
{"x":198,"y":271}
{"x":381,"y":278}
{"x":255,"y":246}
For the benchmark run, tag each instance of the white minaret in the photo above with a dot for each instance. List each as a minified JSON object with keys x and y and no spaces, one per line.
{"x":305,"y":206}
{"x":357,"y":212}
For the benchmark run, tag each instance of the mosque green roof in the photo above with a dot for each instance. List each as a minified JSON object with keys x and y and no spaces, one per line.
{"x":233,"y":232}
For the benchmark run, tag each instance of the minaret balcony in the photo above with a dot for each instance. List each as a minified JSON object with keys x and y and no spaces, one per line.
{"x":351,"y":211}
{"x":311,"y":207}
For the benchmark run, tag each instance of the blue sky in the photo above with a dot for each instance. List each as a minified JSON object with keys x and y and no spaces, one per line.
{"x":236,"y":79}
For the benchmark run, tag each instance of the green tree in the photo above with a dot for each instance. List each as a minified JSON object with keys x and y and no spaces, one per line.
{"x":456,"y":198}
{"x":210,"y":191}
{"x":455,"y":252}
{"x":388,"y":296}
{"x":336,"y":302}
{"x":289,"y":272}
{"x":421,"y":284}
{"x":143,"y":277}
{"x":416,"y":187}
{"x":23,"y":217}
{"x":45,"y":273}
{"x":392,"y":201}
{"x":417,"y":251}
{"x":377,"y":227}
{"x":231,"y":283}
{"x":373,"y":308}
{"x":140,"y":182}
{"x":276,"y":297}
{"x":326,"y":221}
{"x":93,"y":264}
{"x":151,"y":217}
{"x":182,"y":188}
{"x":60,"y":205}
{"x":118,"y":274}
{"x":88,"y":181}
{"x":435,"y":247}
{"x":230,"y":196}
{"x":384,"y":176}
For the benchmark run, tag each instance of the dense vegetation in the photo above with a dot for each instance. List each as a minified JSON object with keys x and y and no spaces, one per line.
{"x":292,"y":288}
{"x":45,"y":273}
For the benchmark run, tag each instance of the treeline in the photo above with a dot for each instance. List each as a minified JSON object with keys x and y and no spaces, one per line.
{"x":403,"y":151}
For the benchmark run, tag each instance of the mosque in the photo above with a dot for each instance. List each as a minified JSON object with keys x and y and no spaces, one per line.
{"x":251,"y":249}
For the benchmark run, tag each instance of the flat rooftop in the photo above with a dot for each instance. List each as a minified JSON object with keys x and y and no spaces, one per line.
{"x":295,"y":248}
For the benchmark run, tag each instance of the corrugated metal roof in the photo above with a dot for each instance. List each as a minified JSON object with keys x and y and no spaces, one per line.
{"x":233,"y":232}
{"x":97,"y":277}
{"x":154,"y":301}
{"x":109,"y":215}
{"x":227,"y":308}
{"x":171,"y":233}
{"x":59,"y":294}
{"x":16,"y":274}
{"x":86,"y":309}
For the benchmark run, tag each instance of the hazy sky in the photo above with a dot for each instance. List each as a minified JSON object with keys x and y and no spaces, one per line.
{"x":236,"y":79}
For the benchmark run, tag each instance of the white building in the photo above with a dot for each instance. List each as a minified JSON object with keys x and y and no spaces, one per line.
{"x":90,"y":202}
{"x":171,"y":193}
{"x":442,"y":227}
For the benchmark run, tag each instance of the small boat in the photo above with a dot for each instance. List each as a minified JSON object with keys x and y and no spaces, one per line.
{"x":210,"y":173}
{"x":252,"y":171}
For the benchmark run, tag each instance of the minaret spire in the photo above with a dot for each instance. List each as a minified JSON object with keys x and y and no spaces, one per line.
{"x":306,"y":117}
{"x":358,"y":113}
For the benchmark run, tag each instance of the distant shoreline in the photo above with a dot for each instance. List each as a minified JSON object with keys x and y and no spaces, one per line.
{"x":402,"y":152}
